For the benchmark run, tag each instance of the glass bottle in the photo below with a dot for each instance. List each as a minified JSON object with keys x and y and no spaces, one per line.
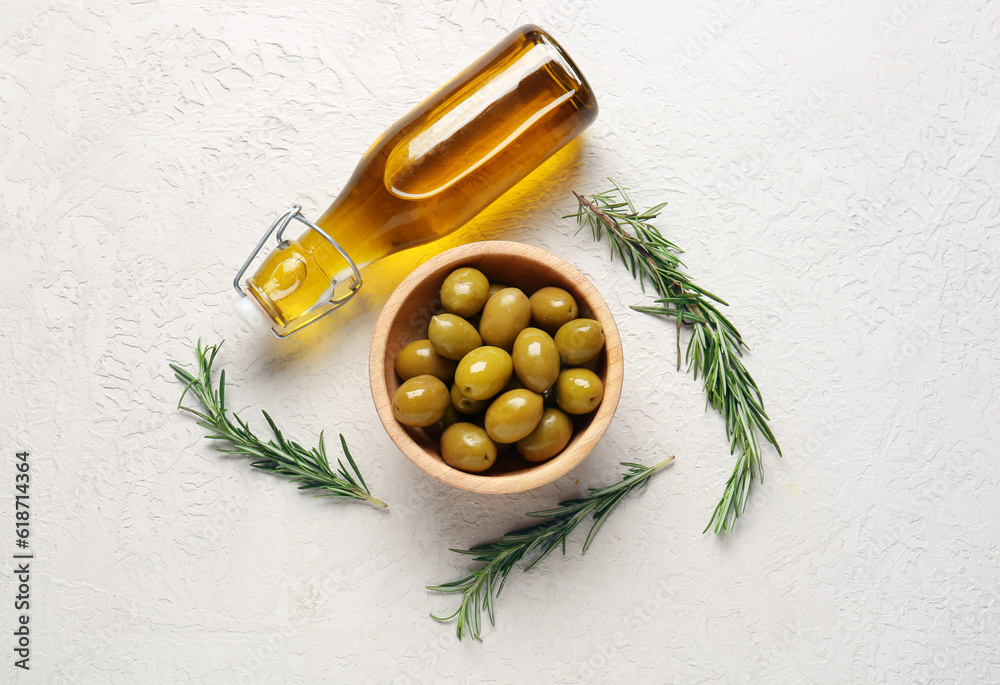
{"x":424,"y":177}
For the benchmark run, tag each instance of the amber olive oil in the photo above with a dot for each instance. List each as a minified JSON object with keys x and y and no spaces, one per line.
{"x":435,"y":169}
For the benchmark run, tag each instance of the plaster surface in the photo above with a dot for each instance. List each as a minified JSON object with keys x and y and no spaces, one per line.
{"x":832,"y":172}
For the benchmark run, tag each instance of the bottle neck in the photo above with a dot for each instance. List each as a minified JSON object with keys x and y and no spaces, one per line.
{"x":303,"y":280}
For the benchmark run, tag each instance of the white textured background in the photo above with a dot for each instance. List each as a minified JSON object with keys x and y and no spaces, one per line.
{"x":832,"y":171}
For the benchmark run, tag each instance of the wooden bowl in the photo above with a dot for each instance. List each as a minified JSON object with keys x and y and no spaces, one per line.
{"x":405,"y":317}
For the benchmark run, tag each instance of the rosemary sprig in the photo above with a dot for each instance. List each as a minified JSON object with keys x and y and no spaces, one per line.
{"x":715,"y":347}
{"x":480,"y":588}
{"x":309,"y":468}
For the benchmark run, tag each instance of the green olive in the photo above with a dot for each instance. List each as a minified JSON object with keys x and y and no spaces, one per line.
{"x":579,"y":341}
{"x":549,"y":438}
{"x":536,"y":359}
{"x":452,"y":336}
{"x":465,"y":291}
{"x":465,"y":405}
{"x":467,"y":447}
{"x":419,"y":357}
{"x":483,"y":372}
{"x":420,"y":401}
{"x":514,"y":383}
{"x":551,"y":307}
{"x":505,"y":315}
{"x":513,"y":415}
{"x":578,"y":391}
{"x":435,"y":430}
{"x":495,"y":288}
{"x":549,"y":396}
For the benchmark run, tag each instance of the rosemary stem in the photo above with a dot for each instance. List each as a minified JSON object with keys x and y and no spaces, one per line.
{"x":375,"y":502}
{"x":482,"y":585}
{"x":309,"y":468}
{"x":714,"y":347}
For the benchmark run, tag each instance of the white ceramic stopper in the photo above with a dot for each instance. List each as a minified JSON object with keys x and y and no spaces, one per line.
{"x":252,"y":315}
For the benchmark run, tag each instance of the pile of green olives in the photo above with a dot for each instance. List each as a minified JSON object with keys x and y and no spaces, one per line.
{"x":499,"y":368}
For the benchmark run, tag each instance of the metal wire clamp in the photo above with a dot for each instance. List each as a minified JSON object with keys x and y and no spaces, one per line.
{"x":323,"y":308}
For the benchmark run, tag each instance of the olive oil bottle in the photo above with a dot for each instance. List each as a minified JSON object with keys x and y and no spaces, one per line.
{"x":424,"y":177}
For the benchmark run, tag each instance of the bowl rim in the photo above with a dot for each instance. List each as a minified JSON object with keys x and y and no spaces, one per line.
{"x":544,"y":472}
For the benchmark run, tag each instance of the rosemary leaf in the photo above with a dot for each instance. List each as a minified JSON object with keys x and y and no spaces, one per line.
{"x":483,"y":585}
{"x":715,"y":347}
{"x":309,"y":468}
